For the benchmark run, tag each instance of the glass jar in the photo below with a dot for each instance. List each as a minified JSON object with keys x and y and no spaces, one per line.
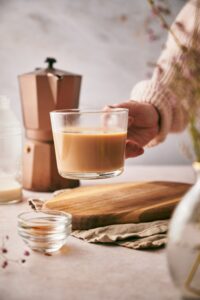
{"x":10,"y":154}
{"x":183,"y":249}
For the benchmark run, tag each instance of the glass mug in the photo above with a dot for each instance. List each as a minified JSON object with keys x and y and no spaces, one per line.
{"x":90,"y":144}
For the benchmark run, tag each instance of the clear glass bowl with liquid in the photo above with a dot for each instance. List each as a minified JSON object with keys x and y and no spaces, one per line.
{"x":44,"y":231}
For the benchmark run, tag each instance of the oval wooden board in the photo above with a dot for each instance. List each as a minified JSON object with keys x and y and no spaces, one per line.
{"x":132,"y":202}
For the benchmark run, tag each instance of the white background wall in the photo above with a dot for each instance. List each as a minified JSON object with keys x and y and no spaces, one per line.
{"x":104,"y":40}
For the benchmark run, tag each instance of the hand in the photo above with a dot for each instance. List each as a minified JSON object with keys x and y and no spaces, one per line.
{"x":143,"y":126}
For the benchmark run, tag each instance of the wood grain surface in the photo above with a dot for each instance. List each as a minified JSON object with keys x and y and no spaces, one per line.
{"x":101,"y":205}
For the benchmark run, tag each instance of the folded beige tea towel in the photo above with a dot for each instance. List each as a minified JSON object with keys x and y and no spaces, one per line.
{"x":146,"y":235}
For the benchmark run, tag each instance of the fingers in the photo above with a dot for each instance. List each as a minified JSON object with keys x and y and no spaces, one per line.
{"x":108,"y":107}
{"x":130,"y":121}
{"x":136,"y":111}
{"x":133,"y":149}
{"x":126,"y":104}
{"x":144,"y":114}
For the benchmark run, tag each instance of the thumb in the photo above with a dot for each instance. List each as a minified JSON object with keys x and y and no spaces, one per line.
{"x":133,"y":149}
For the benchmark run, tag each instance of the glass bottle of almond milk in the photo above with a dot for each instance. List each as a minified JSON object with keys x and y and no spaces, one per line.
{"x":10,"y":154}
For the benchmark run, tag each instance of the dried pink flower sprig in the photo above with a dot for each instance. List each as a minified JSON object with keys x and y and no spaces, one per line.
{"x":157,"y":11}
{"x":185,"y":86}
{"x":149,"y":20}
{"x":5,"y":259}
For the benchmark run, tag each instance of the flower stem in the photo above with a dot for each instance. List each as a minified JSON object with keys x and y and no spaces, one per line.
{"x":195,"y":136}
{"x":165,"y":24}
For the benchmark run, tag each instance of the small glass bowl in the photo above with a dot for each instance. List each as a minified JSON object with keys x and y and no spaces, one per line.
{"x":44,"y":231}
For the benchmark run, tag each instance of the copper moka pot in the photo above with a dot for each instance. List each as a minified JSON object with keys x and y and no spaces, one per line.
{"x":42,"y":91}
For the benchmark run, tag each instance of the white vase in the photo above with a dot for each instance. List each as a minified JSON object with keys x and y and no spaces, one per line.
{"x":183,"y":249}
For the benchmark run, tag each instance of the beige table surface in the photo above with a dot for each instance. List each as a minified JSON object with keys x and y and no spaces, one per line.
{"x":83,"y":271}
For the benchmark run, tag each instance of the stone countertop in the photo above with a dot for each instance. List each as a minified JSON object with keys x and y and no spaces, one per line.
{"x":82,"y":271}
